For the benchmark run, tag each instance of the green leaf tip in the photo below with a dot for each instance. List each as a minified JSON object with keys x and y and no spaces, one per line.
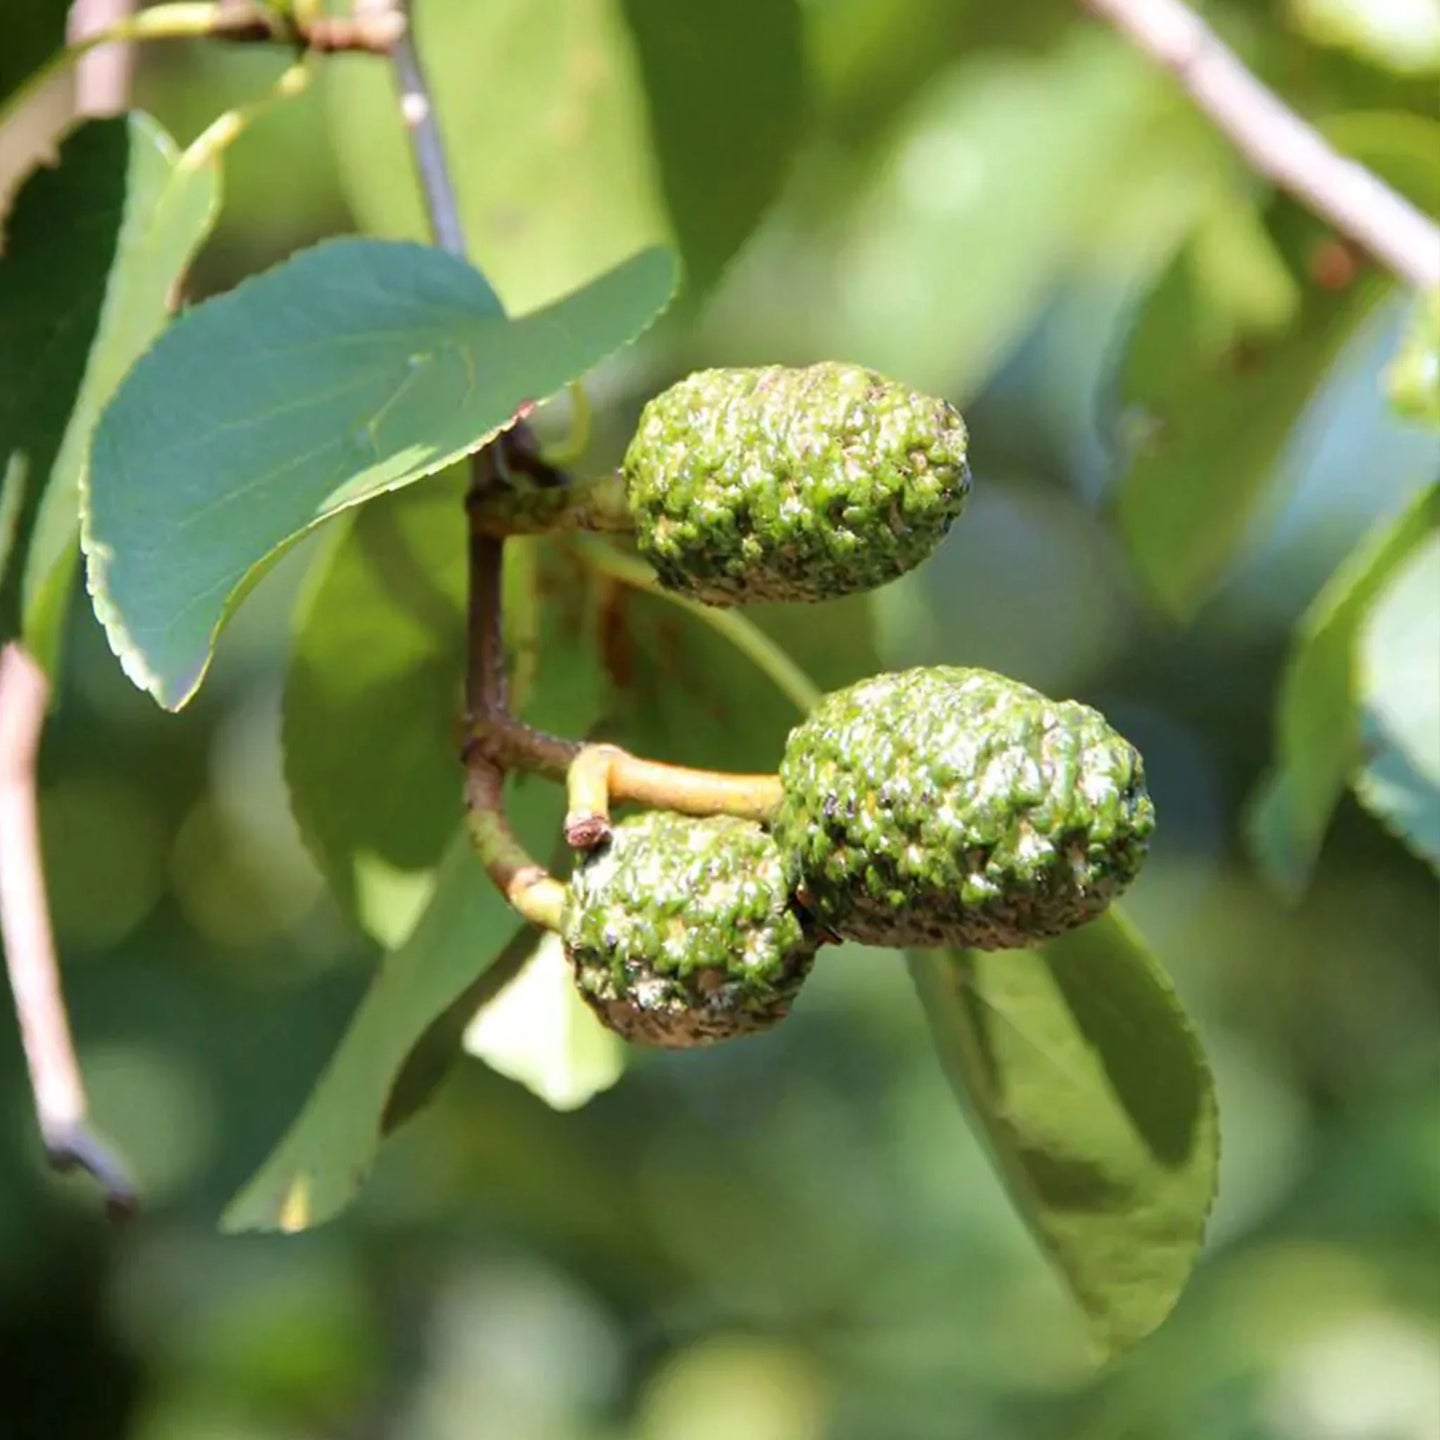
{"x":1398,"y":780}
{"x":1079,"y":1069}
{"x":355,"y":368}
{"x":1318,"y":734}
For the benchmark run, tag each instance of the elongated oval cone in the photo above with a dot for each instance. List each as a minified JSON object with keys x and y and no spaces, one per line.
{"x":682,"y":932}
{"x":781,"y":484}
{"x":951,"y":806}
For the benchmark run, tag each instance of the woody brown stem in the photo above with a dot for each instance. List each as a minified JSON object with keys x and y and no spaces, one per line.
{"x":1275,"y":141}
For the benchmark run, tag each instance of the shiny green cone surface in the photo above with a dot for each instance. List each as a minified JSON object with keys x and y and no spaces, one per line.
{"x":794,"y":485}
{"x":681,"y":932}
{"x":952,"y":806}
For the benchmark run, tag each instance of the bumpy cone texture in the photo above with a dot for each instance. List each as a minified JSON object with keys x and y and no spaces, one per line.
{"x":682,"y":932}
{"x":952,"y":806}
{"x":794,"y":485}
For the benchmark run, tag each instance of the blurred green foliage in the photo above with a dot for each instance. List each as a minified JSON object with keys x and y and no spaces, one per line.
{"x":795,"y":1238}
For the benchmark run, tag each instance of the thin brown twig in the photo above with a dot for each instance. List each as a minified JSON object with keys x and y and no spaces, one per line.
{"x":487,"y":687}
{"x":417,"y":110}
{"x":1275,"y":141}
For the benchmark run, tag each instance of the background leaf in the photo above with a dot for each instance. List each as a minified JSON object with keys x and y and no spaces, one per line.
{"x":93,"y":250}
{"x":1399,"y":684}
{"x":1398,"y":145}
{"x":938,"y":254}
{"x":1317,"y":735}
{"x":693,"y":684}
{"x":357,"y":367}
{"x":1078,"y":1066}
{"x":1216,"y":377}
{"x":725,"y":81}
{"x":373,"y":695}
{"x":542,"y":107}
{"x":372,"y":701}
{"x":1403,"y":37}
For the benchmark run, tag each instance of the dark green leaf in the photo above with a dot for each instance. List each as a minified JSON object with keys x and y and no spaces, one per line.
{"x":726,"y":85}
{"x":1399,"y":685}
{"x":1317,"y":733}
{"x":1077,"y":1065}
{"x":34,"y":32}
{"x":327,"y":1154}
{"x":355,"y":368}
{"x":434,"y":1054}
{"x":1216,"y":396}
{"x":92,"y":253}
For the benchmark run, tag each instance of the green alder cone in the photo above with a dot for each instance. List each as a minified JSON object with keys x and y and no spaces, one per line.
{"x":955,"y":807}
{"x":793,"y":485}
{"x":682,"y":932}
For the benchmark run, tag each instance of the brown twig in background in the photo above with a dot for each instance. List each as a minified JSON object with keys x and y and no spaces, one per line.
{"x":417,"y":110}
{"x":103,"y":75}
{"x":30,"y":958}
{"x":1276,"y":142}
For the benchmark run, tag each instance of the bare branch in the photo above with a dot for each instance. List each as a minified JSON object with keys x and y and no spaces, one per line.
{"x":30,"y":958}
{"x":1276,"y":141}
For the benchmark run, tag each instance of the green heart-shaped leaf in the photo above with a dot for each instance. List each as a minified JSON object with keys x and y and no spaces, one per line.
{"x":357,"y":367}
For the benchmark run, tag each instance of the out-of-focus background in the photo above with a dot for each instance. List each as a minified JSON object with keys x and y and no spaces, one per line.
{"x":794,"y":1237}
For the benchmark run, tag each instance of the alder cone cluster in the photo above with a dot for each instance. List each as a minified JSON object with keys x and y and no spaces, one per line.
{"x":943,"y":806}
